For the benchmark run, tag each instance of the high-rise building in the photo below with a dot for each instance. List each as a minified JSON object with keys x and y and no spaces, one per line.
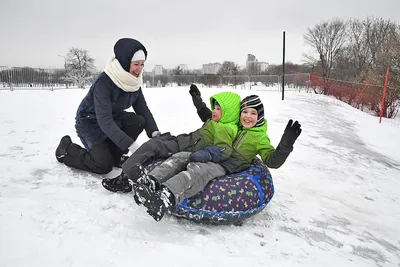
{"x":250,"y":61}
{"x":158,"y":70}
{"x":184,"y":68}
{"x":211,"y":68}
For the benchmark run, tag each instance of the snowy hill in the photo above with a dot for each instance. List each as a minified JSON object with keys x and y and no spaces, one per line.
{"x":336,"y":202}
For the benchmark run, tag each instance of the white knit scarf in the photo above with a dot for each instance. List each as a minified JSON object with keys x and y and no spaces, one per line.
{"x":121,"y":77}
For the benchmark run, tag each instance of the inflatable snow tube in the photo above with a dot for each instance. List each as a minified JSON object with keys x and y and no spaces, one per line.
{"x":230,"y":199}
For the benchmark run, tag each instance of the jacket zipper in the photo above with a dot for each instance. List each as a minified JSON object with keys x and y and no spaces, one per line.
{"x":238,"y":141}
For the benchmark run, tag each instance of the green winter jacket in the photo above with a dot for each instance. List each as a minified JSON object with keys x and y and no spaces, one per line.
{"x":248,"y":144}
{"x":221,"y":133}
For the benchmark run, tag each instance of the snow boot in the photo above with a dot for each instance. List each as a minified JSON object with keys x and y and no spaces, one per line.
{"x":62,"y":148}
{"x":136,"y":172}
{"x":150,"y":182}
{"x":156,"y":202}
{"x":138,"y":175}
{"x":120,"y":183}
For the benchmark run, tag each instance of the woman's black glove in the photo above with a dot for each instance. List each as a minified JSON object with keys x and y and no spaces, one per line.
{"x":292,"y":131}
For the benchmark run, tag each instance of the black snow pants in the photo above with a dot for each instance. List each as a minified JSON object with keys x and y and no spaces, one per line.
{"x":106,"y":155}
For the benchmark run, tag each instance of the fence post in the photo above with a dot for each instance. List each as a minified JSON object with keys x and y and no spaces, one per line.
{"x":50,"y":80}
{"x":383,"y":95}
{"x":11,"y":80}
{"x":283,"y":69}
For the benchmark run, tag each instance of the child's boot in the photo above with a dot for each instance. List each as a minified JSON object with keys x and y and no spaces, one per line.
{"x":156,"y":202}
{"x":136,"y":172}
{"x":120,"y":183}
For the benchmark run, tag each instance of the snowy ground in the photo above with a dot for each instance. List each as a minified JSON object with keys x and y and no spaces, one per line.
{"x":336,"y":203}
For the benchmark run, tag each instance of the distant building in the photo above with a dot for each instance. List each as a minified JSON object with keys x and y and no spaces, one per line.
{"x":262,"y":66}
{"x":211,"y":68}
{"x":184,"y":68}
{"x":250,"y":61}
{"x":253,"y":66}
{"x":158,"y":70}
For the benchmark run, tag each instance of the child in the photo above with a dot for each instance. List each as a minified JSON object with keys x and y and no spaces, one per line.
{"x":215,"y":135}
{"x":252,"y":140}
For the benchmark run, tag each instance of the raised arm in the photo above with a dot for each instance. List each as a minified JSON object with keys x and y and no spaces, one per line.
{"x":285,"y":147}
{"x":202,"y":110}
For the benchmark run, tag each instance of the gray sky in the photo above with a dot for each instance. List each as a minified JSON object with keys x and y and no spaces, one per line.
{"x":34,"y":33}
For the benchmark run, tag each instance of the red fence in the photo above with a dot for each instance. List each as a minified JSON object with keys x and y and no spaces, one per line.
{"x":362,"y":96}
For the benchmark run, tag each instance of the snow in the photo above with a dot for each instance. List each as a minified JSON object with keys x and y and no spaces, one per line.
{"x":336,"y":200}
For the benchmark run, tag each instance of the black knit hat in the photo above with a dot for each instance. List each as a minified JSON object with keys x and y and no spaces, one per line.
{"x":253,"y":101}
{"x":125,"y":48}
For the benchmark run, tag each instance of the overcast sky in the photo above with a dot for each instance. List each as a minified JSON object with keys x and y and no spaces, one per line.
{"x":34,"y":33}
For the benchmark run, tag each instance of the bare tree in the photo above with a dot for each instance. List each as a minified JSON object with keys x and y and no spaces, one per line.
{"x":326,"y":39}
{"x":79,"y":67}
{"x":228,"y":68}
{"x":253,"y":68}
{"x":177,"y":71}
{"x":359,"y":47}
{"x":371,"y":47}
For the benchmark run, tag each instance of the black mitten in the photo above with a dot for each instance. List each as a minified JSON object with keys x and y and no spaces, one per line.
{"x":292,"y":131}
{"x":194,"y":91}
{"x":196,"y":96}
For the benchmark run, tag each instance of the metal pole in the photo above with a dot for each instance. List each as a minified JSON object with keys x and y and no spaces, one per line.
{"x":11,"y":79}
{"x":283,"y":69}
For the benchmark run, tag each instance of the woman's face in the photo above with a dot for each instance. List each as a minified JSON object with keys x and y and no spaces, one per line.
{"x":248,"y":117}
{"x":136,"y":67}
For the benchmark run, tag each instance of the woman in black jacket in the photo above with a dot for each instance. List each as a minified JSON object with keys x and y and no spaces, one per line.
{"x":106,"y":130}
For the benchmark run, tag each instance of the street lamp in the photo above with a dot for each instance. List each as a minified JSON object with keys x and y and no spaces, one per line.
{"x":65,"y":67}
{"x":65,"y":62}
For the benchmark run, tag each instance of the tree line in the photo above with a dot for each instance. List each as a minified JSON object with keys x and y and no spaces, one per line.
{"x":355,"y":50}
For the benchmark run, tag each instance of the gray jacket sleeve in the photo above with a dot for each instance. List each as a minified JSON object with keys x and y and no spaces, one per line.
{"x":141,"y":108}
{"x":104,"y":116}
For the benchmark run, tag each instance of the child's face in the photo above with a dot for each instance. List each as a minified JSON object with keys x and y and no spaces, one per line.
{"x":248,"y":117}
{"x":216,"y":113}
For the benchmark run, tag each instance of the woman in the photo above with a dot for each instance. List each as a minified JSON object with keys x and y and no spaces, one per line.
{"x":105,"y":129}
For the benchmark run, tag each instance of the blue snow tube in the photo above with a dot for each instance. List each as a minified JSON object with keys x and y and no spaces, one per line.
{"x":230,"y":199}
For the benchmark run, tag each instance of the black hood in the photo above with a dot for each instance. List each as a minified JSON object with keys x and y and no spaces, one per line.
{"x":125,"y":48}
